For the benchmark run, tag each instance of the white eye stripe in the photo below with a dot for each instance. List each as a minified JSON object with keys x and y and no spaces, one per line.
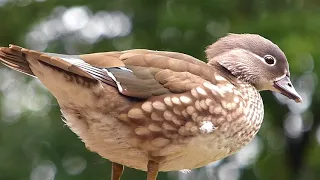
{"x":258,"y":57}
{"x":263,"y":59}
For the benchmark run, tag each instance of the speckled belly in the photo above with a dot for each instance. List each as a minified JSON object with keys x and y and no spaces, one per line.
{"x":109,"y":138}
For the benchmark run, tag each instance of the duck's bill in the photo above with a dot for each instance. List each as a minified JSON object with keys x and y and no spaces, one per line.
{"x":285,"y":87}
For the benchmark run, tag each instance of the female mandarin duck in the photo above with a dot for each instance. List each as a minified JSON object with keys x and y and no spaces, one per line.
{"x":162,"y":111}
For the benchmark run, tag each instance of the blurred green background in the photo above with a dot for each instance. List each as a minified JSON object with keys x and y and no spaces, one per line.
{"x":36,"y":145}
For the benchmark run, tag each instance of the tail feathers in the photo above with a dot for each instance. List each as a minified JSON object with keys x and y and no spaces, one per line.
{"x":20,"y":59}
{"x":15,"y":60}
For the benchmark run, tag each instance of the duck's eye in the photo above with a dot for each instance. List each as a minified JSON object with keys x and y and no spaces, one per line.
{"x":270,"y":59}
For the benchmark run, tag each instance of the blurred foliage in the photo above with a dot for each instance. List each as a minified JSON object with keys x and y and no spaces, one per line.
{"x":36,"y":145}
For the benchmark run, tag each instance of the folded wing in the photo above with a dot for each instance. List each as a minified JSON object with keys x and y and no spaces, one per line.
{"x":137,"y":73}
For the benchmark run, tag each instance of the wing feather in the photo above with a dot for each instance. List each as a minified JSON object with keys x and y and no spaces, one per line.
{"x":139,"y":73}
{"x":151,"y":72}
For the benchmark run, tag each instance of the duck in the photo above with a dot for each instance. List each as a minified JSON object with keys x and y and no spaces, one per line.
{"x":158,"y":110}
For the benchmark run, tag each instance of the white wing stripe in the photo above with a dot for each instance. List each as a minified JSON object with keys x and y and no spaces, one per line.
{"x":102,"y":75}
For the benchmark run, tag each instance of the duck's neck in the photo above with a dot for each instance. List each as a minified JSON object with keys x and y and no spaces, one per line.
{"x":226,"y":74}
{"x":254,"y":105}
{"x":248,"y":92}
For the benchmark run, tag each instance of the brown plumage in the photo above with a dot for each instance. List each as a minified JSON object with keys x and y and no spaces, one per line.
{"x":162,"y":111}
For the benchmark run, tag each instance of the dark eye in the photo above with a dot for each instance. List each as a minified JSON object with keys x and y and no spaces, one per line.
{"x":270,"y":59}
